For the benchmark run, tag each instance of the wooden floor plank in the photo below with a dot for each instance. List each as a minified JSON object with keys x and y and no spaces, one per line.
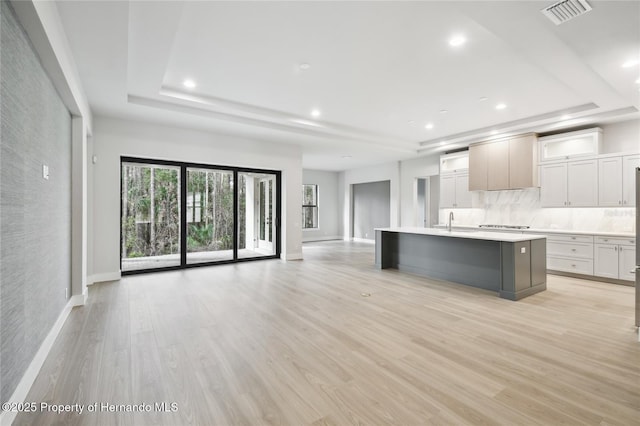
{"x":274,"y":342}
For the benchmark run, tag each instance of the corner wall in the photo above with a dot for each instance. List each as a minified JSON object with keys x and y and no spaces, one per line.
{"x":113,"y":138}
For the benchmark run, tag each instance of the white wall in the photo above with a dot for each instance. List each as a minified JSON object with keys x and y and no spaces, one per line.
{"x":621,"y":137}
{"x":114,"y":138}
{"x":410,"y":170}
{"x":328,"y":210}
{"x":387,"y":171}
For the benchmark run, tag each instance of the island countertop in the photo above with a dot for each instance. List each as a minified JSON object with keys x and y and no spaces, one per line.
{"x":472,"y":235}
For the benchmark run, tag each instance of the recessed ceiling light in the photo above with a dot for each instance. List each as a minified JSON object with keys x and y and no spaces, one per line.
{"x":443,"y":111}
{"x":315,"y":113}
{"x":411,"y":122}
{"x":482,"y":99}
{"x":189,"y":84}
{"x":429,"y":126}
{"x":304,"y":66}
{"x":442,"y":143}
{"x":501,"y":106}
{"x":630,"y":63}
{"x":638,"y":80}
{"x":346,"y":156}
{"x":494,"y":132}
{"x":457,"y":40}
{"x":565,"y":117}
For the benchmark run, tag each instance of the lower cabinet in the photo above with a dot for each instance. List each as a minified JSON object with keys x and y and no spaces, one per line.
{"x":615,"y":258}
{"x":570,"y":253}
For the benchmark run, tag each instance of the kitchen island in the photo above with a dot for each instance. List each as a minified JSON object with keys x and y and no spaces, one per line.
{"x":513,"y":265}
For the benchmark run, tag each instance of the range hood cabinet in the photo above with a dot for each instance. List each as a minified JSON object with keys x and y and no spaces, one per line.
{"x":503,"y":164}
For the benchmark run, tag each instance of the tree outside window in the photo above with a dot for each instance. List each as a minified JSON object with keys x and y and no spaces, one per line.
{"x":309,"y":206}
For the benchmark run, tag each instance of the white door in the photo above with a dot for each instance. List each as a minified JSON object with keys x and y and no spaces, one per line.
{"x":627,"y":263}
{"x":629,"y":164}
{"x":266,"y":205}
{"x":610,"y":181}
{"x":606,"y":260}
{"x":553,"y":185}
{"x":582,"y":186}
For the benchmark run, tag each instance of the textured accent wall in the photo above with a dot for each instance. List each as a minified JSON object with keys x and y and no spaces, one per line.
{"x":35,"y":214}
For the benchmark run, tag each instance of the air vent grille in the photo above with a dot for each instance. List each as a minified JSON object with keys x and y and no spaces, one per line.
{"x":565,"y":10}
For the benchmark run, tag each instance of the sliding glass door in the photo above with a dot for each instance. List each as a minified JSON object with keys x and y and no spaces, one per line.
{"x":209,"y":215}
{"x":175,"y":215}
{"x":150,"y":225}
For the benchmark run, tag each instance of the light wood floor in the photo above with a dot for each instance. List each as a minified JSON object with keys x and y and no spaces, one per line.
{"x":296,"y":343}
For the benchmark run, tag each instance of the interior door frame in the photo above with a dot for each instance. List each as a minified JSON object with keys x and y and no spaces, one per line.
{"x":183,"y":166}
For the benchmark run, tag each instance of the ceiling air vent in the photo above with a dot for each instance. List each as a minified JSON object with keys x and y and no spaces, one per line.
{"x":565,"y":10}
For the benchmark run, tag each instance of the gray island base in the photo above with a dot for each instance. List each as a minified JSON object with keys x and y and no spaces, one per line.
{"x":513,"y":265}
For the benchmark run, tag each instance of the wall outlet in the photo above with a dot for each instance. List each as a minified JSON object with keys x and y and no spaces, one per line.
{"x":523,"y":250}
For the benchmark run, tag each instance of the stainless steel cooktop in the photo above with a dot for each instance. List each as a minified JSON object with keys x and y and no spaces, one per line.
{"x":504,"y":226}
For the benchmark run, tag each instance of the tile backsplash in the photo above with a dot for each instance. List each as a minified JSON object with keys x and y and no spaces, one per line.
{"x":522,"y":207}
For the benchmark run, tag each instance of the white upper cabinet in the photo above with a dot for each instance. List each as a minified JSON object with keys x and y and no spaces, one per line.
{"x":463,"y":196}
{"x":454,"y":191}
{"x":454,"y":163}
{"x":569,"y":184}
{"x":610,"y":181}
{"x":629,"y":164}
{"x":582,"y":183}
{"x":569,"y":145}
{"x":553,"y":185}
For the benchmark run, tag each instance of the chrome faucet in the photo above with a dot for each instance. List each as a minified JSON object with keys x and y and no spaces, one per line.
{"x":450,"y":219}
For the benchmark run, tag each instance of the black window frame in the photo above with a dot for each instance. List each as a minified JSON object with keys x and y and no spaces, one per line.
{"x":183,"y":212}
{"x":315,"y":206}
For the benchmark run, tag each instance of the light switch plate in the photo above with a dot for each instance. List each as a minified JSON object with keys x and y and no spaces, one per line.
{"x":45,"y":171}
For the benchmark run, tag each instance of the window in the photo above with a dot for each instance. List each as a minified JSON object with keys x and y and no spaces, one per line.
{"x":309,"y":206}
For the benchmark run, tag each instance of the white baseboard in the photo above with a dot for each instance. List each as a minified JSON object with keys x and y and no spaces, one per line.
{"x":311,"y":239}
{"x":107,"y":276}
{"x":291,"y":256}
{"x":363,"y":240}
{"x":22,"y":390}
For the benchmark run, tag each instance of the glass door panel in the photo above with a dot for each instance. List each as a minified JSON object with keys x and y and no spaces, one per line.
{"x":256,"y":214}
{"x":150,"y":216}
{"x":209,"y":214}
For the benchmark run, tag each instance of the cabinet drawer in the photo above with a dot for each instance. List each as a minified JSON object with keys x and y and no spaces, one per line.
{"x":578,"y":266}
{"x":566,"y":249}
{"x":616,"y":240}
{"x":571,"y":238}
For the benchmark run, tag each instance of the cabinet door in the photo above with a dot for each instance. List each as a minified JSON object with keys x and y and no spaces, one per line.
{"x":610,"y":181}
{"x":447,"y":191}
{"x":606,"y":260}
{"x":522,"y":162}
{"x":498,"y":165}
{"x":629,"y":164}
{"x":478,"y":167}
{"x":582,"y":183}
{"x":626,"y":263}
{"x":463,"y":196}
{"x":553,"y":185}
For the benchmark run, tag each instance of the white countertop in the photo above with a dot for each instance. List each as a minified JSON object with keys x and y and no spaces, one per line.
{"x":471,"y":235}
{"x":547,"y":231}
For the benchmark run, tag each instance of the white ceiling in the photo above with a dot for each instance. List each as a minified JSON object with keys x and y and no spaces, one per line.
{"x":379,"y":71}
